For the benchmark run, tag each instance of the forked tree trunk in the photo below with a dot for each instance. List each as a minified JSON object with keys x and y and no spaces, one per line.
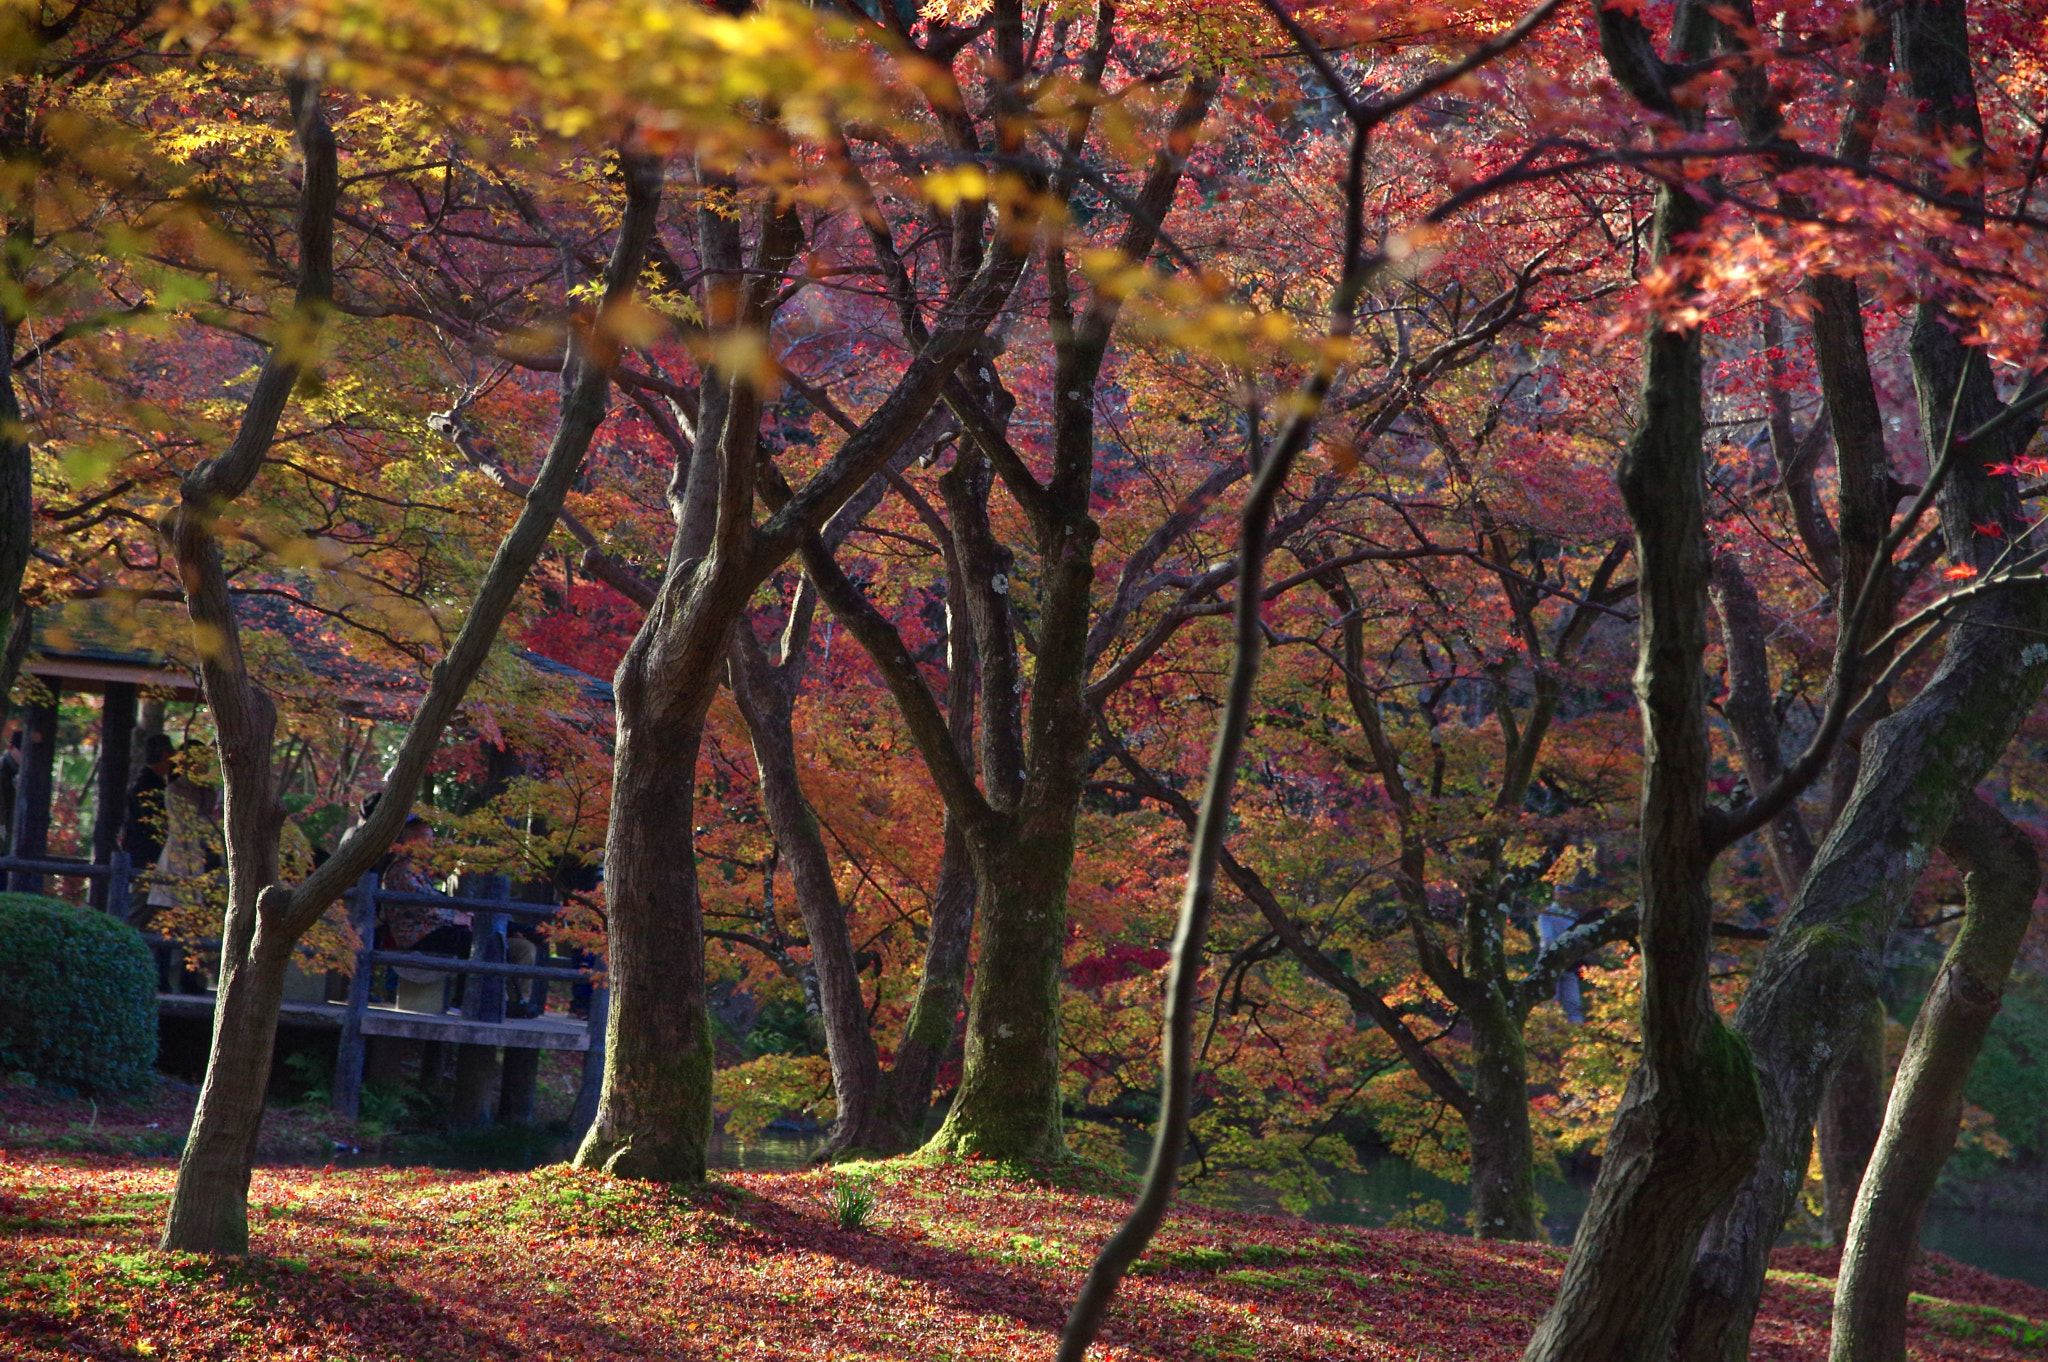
{"x":654,"y":1114}
{"x":2002,"y":873}
{"x":209,"y":1206}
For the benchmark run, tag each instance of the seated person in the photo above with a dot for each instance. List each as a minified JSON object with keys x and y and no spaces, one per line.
{"x":433,"y":930}
{"x":425,"y":927}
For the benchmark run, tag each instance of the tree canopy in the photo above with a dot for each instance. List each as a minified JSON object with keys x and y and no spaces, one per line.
{"x":1519,"y":518}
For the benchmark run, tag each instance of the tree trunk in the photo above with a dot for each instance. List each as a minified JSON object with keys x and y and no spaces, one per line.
{"x":2002,"y":874}
{"x":209,"y":1213}
{"x":934,"y":1019}
{"x":654,"y":1119}
{"x":1814,"y":983}
{"x":516,"y":1092}
{"x":767,"y":707}
{"x":1851,"y":1113}
{"x":17,"y":499}
{"x":1503,"y":1150}
{"x":1688,"y":1122}
{"x":1008,"y":1104}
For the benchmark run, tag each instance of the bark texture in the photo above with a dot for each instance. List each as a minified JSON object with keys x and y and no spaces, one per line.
{"x":1503,"y":1148}
{"x":2002,"y":873}
{"x":654,"y":1113}
{"x":209,"y":1207}
{"x":1688,"y":1121}
{"x":1811,"y":993}
{"x":1851,"y":1115}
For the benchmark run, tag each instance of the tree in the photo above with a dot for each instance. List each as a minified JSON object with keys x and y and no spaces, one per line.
{"x":1919,"y":762}
{"x":1693,"y":1117}
{"x":654,"y":1117}
{"x":208,"y":1212}
{"x":55,"y":55}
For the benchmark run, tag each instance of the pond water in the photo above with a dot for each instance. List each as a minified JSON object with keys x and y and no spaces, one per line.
{"x":2011,"y":1245}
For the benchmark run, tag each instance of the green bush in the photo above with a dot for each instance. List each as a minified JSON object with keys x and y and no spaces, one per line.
{"x":77,"y":996}
{"x":2011,"y":1077}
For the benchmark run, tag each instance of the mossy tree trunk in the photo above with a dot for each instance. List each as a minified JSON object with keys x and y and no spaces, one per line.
{"x":1809,"y":1001}
{"x":2002,"y":874}
{"x":1008,"y":1102}
{"x":653,"y":1117}
{"x":1497,"y":1128}
{"x":1688,"y":1121}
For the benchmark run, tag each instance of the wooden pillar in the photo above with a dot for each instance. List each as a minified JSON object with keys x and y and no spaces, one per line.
{"x":32,"y":791}
{"x":515,"y":1093}
{"x":476,"y":1066}
{"x":348,"y":1053}
{"x":120,"y":885}
{"x":433,"y":1065}
{"x":117,"y":738}
{"x":593,"y":1064}
{"x":476,"y":1083}
{"x":484,"y":998}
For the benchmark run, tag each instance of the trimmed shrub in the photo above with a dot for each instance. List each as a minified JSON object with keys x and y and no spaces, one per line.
{"x":77,"y":996}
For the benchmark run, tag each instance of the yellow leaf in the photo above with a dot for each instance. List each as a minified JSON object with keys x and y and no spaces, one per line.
{"x":955,"y":185}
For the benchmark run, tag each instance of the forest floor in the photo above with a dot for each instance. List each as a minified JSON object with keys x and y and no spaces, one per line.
{"x":951,"y":1262}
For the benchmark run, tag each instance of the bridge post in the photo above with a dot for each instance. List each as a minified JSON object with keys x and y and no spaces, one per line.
{"x":119,"y":899}
{"x":593,"y":1064}
{"x":347,"y":1096}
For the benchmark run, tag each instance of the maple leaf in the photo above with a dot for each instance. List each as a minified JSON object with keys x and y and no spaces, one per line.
{"x":1961,"y":572}
{"x":1990,"y":529}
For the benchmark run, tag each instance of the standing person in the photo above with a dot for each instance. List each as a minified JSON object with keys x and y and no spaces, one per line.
{"x":142,"y":836}
{"x":10,"y":785}
{"x":179,"y":888}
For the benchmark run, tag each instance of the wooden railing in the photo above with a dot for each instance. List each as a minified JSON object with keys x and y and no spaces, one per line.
{"x":486,"y":962}
{"x":25,"y":875}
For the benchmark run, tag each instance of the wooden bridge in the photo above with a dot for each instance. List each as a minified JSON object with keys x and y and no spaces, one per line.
{"x":479,"y":1030}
